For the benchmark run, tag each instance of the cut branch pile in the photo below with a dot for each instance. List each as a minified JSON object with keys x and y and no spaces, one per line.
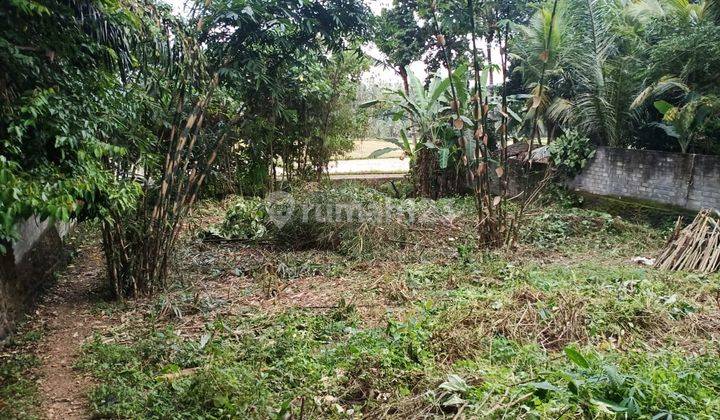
{"x":695,"y":248}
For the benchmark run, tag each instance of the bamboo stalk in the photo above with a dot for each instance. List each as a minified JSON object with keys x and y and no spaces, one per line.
{"x":694,"y":248}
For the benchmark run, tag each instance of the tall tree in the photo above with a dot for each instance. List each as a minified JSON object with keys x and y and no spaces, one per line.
{"x":269,"y":53}
{"x":590,"y":81}
{"x":399,"y":37}
{"x":76,"y":106}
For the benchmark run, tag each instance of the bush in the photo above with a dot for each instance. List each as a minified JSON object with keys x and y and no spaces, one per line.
{"x":350,"y":219}
{"x":246,"y":219}
{"x":571,"y":152}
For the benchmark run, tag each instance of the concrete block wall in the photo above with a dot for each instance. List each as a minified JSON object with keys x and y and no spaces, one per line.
{"x":684,"y":180}
{"x":27,"y":267}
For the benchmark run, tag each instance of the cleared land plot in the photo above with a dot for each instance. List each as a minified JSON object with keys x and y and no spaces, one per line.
{"x":395,"y":321}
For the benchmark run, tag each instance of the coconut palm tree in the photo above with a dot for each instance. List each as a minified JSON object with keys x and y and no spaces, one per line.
{"x":590,"y":84}
{"x":687,"y":12}
{"x":541,"y":34}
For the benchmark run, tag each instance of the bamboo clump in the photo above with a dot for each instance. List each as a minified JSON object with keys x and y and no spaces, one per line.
{"x":694,"y":248}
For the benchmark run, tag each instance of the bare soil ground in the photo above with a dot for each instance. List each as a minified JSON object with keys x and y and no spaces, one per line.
{"x":66,"y":313}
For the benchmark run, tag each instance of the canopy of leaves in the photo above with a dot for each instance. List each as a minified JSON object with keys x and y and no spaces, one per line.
{"x":398,"y":35}
{"x":76,"y":108}
{"x":605,"y":54}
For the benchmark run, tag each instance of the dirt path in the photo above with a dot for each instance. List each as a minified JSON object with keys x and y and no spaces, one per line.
{"x":66,"y":312}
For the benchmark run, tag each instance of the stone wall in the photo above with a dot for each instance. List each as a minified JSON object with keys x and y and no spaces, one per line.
{"x":684,"y":180}
{"x":27,"y":267}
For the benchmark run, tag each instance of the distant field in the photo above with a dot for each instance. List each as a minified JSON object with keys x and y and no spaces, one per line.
{"x":363,"y":149}
{"x":369,"y":166}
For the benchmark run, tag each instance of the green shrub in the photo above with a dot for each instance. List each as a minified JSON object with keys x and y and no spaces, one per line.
{"x":246,"y":219}
{"x":571,"y":152}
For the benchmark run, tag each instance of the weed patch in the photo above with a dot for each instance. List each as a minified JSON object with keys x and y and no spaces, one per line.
{"x":259,"y":367}
{"x":18,"y":382}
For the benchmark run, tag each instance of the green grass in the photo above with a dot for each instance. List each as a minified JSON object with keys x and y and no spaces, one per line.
{"x":565,"y":327}
{"x":19,"y":398}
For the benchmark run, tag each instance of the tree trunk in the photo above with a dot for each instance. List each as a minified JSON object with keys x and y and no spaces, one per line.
{"x":404,"y":76}
{"x":489,"y":40}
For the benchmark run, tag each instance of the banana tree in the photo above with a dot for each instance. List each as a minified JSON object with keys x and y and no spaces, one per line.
{"x":685,"y":122}
{"x":427,"y":139}
{"x":424,"y":111}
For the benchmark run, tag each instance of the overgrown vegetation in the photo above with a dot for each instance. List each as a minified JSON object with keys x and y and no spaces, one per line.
{"x":125,"y":113}
{"x":19,"y":397}
{"x":571,"y":152}
{"x":351,"y":219}
{"x":428,"y":327}
{"x":105,"y":106}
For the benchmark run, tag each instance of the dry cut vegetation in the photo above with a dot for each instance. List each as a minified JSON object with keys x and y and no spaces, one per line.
{"x":414,"y":323}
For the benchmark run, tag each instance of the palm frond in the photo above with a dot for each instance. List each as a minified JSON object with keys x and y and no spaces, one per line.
{"x":711,"y":9}
{"x":589,"y":62}
{"x":560,"y":111}
{"x":663,"y":86}
{"x":645,"y":10}
{"x":537,"y":39}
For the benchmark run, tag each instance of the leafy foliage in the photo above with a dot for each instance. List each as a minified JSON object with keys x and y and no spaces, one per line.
{"x":687,"y":122}
{"x":605,"y":53}
{"x":554,"y":228}
{"x":246,"y":219}
{"x":287,"y":358}
{"x":430,"y":143}
{"x":289,"y":65}
{"x":350,"y":219}
{"x":400,"y":38}
{"x":571,"y":152}
{"x":67,"y":114}
{"x":106,"y":117}
{"x":689,"y":53}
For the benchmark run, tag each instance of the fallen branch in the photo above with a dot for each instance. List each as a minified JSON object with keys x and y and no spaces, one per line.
{"x":695,"y":248}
